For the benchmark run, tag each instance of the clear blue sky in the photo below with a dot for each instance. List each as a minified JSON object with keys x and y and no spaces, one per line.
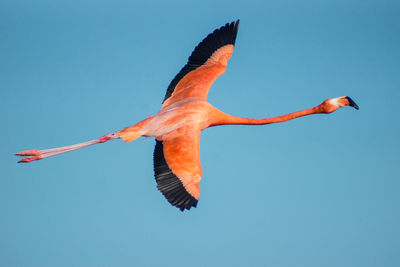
{"x":317,"y":191}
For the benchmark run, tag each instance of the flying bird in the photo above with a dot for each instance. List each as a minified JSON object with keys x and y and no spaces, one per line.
{"x":185,"y":112}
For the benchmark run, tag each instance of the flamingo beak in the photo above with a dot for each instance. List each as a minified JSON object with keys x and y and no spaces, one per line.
{"x":352,"y":103}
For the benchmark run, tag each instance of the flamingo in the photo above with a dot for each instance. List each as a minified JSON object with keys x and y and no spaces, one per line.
{"x":185,"y":112}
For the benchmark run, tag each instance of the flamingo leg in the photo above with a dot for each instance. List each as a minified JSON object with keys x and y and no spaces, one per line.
{"x":36,"y":154}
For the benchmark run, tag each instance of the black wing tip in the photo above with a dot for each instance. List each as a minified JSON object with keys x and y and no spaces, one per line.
{"x":231,"y":27}
{"x":179,"y":197}
{"x":235,"y":29}
{"x":220,"y":37}
{"x":230,"y":31}
{"x":190,"y":205}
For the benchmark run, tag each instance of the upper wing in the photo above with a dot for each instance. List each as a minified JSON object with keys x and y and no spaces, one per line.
{"x":177,"y":168}
{"x":207,"y":62}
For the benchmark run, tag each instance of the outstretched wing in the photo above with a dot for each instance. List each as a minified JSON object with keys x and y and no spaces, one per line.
{"x":177,"y":168}
{"x":207,"y":62}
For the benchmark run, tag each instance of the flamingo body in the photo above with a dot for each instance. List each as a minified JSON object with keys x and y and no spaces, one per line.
{"x":185,"y":112}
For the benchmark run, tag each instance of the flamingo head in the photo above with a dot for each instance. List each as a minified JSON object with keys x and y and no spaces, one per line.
{"x":332,"y":104}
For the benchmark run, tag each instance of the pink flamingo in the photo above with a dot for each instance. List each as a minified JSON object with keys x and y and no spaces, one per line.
{"x":185,"y":112}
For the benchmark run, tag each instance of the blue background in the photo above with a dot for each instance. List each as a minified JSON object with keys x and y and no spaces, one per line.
{"x":317,"y":191}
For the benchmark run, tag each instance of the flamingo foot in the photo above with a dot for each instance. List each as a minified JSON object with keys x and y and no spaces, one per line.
{"x":32,"y":152}
{"x":29,"y":159}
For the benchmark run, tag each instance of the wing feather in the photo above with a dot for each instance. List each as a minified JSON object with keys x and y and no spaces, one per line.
{"x":206,"y":63}
{"x":177,"y":169}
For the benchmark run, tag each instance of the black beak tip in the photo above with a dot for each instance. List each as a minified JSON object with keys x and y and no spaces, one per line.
{"x":352,"y":103}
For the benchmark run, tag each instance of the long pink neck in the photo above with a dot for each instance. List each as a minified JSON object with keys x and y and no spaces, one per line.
{"x":228,"y":119}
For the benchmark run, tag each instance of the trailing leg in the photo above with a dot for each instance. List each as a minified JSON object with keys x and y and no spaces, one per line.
{"x":36,"y":154}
